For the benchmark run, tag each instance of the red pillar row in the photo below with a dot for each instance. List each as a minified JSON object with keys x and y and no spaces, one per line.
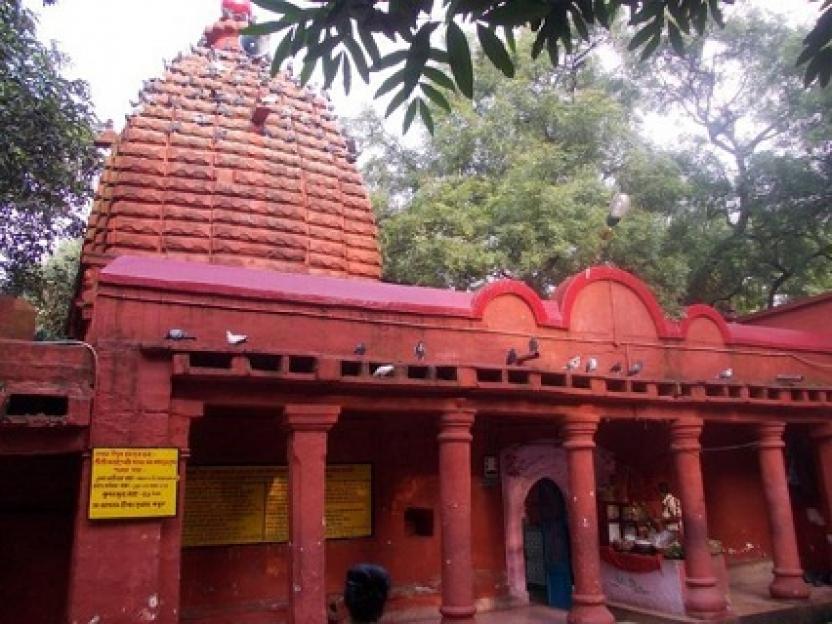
{"x":308,"y":426}
{"x":588,"y":601}
{"x":455,"y":515}
{"x":703,"y":598}
{"x":788,"y":575}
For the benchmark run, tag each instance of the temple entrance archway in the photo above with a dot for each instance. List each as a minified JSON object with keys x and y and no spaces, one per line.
{"x":547,"y":559}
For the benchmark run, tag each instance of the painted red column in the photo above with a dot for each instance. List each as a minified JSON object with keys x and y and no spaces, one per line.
{"x":455,"y":515}
{"x":308,"y":426}
{"x":182,"y":412}
{"x":588,"y":601}
{"x":788,"y":575}
{"x":822,"y":435}
{"x":703,"y":598}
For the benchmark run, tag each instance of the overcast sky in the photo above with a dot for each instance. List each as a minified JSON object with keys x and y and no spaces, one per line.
{"x":116,"y":44}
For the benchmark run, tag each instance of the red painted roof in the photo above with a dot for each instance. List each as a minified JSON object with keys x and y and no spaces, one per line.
{"x":804,"y":302}
{"x":201,"y":278}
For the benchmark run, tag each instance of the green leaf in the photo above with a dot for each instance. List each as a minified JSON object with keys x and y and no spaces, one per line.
{"x":410,"y":114}
{"x":539,"y":42}
{"x":389,"y":60}
{"x":716,"y":12}
{"x":281,"y":53}
{"x":494,"y":50}
{"x":508,"y":32}
{"x":266,"y":28}
{"x":427,"y":118}
{"x":345,"y":64}
{"x":358,"y":58}
{"x":435,"y":96}
{"x":650,"y":47}
{"x":552,"y":49}
{"x":439,"y":77}
{"x":369,"y":44}
{"x":642,"y":36}
{"x":676,"y":38}
{"x":700,"y":20}
{"x":580,"y":25}
{"x":460,"y":59}
{"x":331,"y":68}
{"x":392,"y":81}
{"x":306,"y":71}
{"x":397,"y":101}
{"x":299,"y":39}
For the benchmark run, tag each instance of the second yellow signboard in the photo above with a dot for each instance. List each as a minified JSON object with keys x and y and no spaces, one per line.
{"x":249,"y":504}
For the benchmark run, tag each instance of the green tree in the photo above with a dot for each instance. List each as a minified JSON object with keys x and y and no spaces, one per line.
{"x":757,"y":225}
{"x":52,"y":292}
{"x":517,"y":183}
{"x":427,"y":46}
{"x":47,"y":157}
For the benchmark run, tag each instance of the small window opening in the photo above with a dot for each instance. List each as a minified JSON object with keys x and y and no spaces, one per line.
{"x":211,"y":360}
{"x":580,"y":381}
{"x":553,"y":379}
{"x":418,"y":521}
{"x":302,"y":364}
{"x":418,"y":372}
{"x":350,"y":369}
{"x":446,"y":373}
{"x":518,"y":376}
{"x":37,"y":404}
{"x":489,"y":375}
{"x":264,"y":362}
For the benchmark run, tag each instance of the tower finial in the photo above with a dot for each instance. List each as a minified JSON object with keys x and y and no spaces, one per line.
{"x":237,"y":9}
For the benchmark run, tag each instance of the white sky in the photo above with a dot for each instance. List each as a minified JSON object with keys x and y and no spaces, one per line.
{"x":116,"y":44}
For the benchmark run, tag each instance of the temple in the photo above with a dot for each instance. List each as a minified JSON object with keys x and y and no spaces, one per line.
{"x":247,"y":410}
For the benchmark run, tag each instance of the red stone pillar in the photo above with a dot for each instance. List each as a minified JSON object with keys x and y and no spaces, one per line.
{"x":588,"y":601}
{"x":788,"y":575}
{"x":182,"y":412}
{"x":822,"y":435}
{"x":455,"y":515}
{"x":308,"y":426}
{"x":703,"y":598}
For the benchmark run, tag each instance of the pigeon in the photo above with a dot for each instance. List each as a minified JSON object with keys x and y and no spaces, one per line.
{"x":511,"y":357}
{"x":726,"y":374}
{"x":616,"y":368}
{"x":573,"y":363}
{"x":591,"y":364}
{"x":235,"y":339}
{"x":386,"y":370}
{"x":420,"y":350}
{"x":635,"y":368}
{"x":178,"y":334}
{"x":534,"y":347}
{"x":360,"y":349}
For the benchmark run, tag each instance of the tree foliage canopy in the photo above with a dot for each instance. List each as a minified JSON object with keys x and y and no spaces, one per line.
{"x":429,"y":54}
{"x":517,"y":181}
{"x":47,"y":158}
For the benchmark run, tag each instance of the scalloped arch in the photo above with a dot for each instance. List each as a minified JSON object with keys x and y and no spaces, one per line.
{"x":567,"y":294}
{"x":491,"y":291}
{"x":700,"y":310}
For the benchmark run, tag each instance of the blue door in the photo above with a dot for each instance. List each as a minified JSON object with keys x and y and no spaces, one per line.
{"x":548,"y":562}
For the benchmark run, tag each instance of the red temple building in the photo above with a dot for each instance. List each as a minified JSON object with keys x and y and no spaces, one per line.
{"x":248,"y":410}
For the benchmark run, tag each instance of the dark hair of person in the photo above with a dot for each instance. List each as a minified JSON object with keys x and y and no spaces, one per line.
{"x":366,"y":592}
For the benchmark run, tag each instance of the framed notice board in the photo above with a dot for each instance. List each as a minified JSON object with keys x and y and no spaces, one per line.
{"x":249,"y":504}
{"x":130,"y":483}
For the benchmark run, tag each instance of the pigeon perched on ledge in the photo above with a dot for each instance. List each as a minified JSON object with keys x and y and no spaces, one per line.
{"x":178,"y":334}
{"x":235,"y":339}
{"x":384,"y":371}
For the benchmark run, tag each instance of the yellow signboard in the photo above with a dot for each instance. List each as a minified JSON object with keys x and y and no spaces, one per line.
{"x":249,"y":504}
{"x":133,"y":483}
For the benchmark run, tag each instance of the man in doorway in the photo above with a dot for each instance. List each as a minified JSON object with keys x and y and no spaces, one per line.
{"x":671,"y":510}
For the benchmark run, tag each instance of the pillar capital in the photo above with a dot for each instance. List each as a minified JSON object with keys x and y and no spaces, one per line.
{"x":685,"y":433}
{"x":578,"y":428}
{"x":455,"y":425}
{"x":310,"y":416}
{"x":770,"y":435}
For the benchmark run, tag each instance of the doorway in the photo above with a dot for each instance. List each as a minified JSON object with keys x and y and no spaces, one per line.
{"x":546,"y":546}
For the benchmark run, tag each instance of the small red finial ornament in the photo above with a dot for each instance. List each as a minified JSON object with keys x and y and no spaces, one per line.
{"x":236,"y":8}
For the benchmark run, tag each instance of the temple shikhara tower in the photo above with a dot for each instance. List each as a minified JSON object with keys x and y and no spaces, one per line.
{"x":247,"y":410}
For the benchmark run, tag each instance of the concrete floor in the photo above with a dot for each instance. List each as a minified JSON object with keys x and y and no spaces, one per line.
{"x":749,"y":598}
